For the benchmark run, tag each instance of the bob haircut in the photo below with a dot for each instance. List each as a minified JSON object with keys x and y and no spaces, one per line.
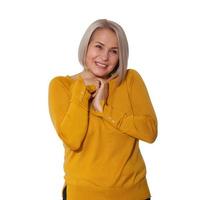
{"x":121,"y":67}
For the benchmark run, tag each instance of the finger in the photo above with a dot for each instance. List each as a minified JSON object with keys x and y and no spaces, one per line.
{"x":94,"y":94}
{"x":101,"y":81}
{"x":98,"y":84}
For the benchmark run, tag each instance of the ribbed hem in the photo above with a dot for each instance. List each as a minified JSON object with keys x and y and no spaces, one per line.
{"x":140,"y":191}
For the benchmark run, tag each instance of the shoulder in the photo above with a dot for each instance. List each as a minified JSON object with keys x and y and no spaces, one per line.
{"x":132,"y":74}
{"x":134,"y":79}
{"x":64,"y":81}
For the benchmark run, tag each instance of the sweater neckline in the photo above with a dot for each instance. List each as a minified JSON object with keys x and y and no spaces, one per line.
{"x":78,"y":76}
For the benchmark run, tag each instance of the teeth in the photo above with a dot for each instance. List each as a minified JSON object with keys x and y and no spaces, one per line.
{"x":100,"y":64}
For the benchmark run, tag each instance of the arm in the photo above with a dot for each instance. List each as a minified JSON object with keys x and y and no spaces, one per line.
{"x":69,"y":115}
{"x":141,"y":122}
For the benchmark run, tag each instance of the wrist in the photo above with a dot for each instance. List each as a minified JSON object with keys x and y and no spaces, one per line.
{"x":99,"y":105}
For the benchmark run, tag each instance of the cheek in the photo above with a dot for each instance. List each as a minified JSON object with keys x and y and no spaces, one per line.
{"x":115,"y":60}
{"x":91,"y":54}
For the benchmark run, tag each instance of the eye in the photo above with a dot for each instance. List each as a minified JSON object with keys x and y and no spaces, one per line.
{"x":114,"y":51}
{"x":98,"y":46}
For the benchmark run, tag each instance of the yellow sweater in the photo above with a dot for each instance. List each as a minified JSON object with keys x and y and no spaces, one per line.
{"x":102,"y":155}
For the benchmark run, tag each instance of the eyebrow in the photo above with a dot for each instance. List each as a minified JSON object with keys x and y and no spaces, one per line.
{"x":104,"y":45}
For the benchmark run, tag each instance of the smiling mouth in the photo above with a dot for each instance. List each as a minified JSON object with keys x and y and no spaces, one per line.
{"x":100,"y":64}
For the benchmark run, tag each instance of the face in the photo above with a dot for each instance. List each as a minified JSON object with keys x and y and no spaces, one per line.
{"x":103,"y":53}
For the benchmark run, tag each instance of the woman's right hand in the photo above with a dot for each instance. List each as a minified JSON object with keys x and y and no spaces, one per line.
{"x":90,"y":79}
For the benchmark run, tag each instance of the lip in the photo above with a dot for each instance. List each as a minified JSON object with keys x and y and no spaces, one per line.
{"x":100,"y":64}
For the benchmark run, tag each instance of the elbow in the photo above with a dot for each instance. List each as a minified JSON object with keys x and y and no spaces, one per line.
{"x":151,"y":139}
{"x":72,"y":138}
{"x":74,"y":146}
{"x":153,"y":132}
{"x":73,"y":143}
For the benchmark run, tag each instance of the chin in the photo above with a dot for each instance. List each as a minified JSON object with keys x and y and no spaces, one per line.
{"x":101,"y":75}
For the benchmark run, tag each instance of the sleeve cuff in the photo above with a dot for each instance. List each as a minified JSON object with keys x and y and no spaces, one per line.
{"x":80,"y":93}
{"x":109,"y":114}
{"x":91,"y":88}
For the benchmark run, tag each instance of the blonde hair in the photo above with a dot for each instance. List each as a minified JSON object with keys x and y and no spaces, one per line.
{"x":121,"y":67}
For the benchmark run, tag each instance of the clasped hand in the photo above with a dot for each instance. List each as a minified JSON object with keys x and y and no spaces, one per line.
{"x":102,"y":88}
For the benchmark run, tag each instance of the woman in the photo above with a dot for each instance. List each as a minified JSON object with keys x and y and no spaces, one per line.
{"x":101,"y":114}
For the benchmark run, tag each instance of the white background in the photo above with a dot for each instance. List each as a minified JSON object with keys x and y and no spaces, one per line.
{"x":39,"y":40}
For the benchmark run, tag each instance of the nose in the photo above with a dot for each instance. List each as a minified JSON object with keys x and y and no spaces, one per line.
{"x":105,"y":55}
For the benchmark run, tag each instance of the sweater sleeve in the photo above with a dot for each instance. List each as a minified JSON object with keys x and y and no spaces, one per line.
{"x":141,"y":122}
{"x":66,"y":111}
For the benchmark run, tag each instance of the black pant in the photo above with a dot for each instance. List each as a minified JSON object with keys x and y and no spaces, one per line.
{"x":64,"y":194}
